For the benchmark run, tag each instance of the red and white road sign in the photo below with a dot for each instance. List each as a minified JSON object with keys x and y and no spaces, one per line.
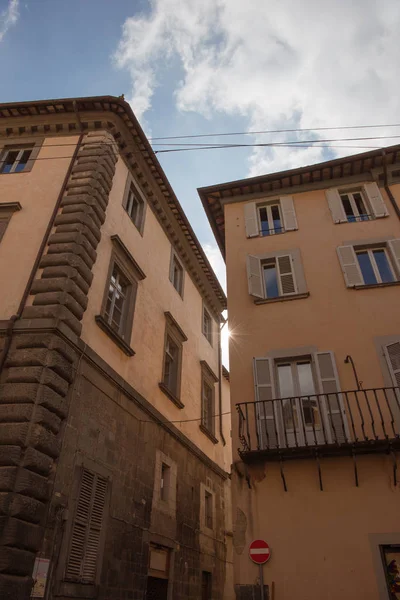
{"x":259,"y":552}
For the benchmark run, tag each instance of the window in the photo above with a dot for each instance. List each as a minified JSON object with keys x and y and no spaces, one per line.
{"x":270,"y":219}
{"x":84,"y":547}
{"x":176,"y":273}
{"x":206,"y":586}
{"x":208,"y":510}
{"x":15,"y":160}
{"x":6,"y":211}
{"x":120,"y":294}
{"x":135,"y":207}
{"x":172,"y":363}
{"x":208,"y":381}
{"x":266,"y":218}
{"x":165,"y":482}
{"x":372,"y":264}
{"x":362,"y":203}
{"x":391,"y":563}
{"x":134,"y":202}
{"x":207,"y":324}
{"x":375,"y":266}
{"x":276,"y":275}
{"x":296,"y":379}
{"x":354,"y":206}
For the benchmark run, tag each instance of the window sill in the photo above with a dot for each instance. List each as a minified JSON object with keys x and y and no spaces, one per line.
{"x":77,"y":590}
{"x":376,"y":285}
{"x":282,"y":298}
{"x":102,"y":323}
{"x":170,"y":395}
{"x":208,"y":433}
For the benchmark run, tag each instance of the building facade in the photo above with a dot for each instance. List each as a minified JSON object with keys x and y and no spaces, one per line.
{"x":114,"y":425}
{"x":313,"y":274}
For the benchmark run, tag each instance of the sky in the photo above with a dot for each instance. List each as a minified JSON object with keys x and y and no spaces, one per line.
{"x":216,"y":66}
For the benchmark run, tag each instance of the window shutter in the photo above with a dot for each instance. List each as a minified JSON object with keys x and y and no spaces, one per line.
{"x":394,"y":247}
{"x":171,"y":266}
{"x":375,"y":200}
{"x":336,"y":206}
{"x":251,"y":220}
{"x":392,"y":354}
{"x":267,"y":424}
{"x":350,"y":267}
{"x":329,"y":384}
{"x":286,"y":275}
{"x":288,"y":213}
{"x":255,"y":277}
{"x":86,"y":529}
{"x":3,"y":227}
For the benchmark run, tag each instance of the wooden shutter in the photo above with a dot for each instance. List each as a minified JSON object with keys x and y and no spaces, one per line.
{"x":86,"y":529}
{"x":329,"y":384}
{"x":286,"y":275}
{"x":394,"y":247}
{"x":392,"y":354}
{"x":251,"y":220}
{"x":350,"y":267}
{"x":255,"y":277}
{"x":336,"y":206}
{"x":375,"y":199}
{"x":267,"y":424}
{"x":288,"y":213}
{"x":171,"y":266}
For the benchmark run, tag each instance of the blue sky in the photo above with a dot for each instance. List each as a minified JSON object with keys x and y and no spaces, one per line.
{"x":201,"y":66}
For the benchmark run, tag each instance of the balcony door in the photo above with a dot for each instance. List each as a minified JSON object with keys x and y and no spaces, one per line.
{"x":301,"y":418}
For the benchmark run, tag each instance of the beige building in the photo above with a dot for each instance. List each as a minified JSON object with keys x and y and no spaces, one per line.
{"x":313,"y":271}
{"x":114,"y":426}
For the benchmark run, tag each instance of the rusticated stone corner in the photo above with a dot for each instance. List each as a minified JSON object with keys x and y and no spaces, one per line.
{"x":40,"y":367}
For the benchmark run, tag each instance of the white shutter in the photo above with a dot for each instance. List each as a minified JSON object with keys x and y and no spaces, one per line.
{"x":267,"y":424}
{"x":255,"y":276}
{"x":288,"y":213}
{"x":286,"y":275}
{"x":392,"y":354}
{"x":329,"y":384}
{"x":350,"y":267}
{"x":336,"y":206}
{"x":375,"y":199}
{"x":394,"y":247}
{"x":251,"y":220}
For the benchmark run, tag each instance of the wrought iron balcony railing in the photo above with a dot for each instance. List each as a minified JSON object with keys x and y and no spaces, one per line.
{"x":360,"y":421}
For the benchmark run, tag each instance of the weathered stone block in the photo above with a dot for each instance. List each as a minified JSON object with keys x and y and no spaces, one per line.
{"x":13,"y":434}
{"x":15,"y":413}
{"x":33,"y":392}
{"x":62,"y":298}
{"x":66,"y":274}
{"x":53,"y":311}
{"x":22,"y":534}
{"x":14,"y":587}
{"x":75,"y":237}
{"x":85,"y":209}
{"x":31,"y":357}
{"x":16,"y":561}
{"x":91,"y":201}
{"x":26,"y":508}
{"x":75,"y":249}
{"x":37,"y":461}
{"x":7,"y":478}
{"x":44,"y":441}
{"x":68,"y":260}
{"x":37,"y":375}
{"x":32,"y":484}
{"x":10,"y":455}
{"x":60,"y":284}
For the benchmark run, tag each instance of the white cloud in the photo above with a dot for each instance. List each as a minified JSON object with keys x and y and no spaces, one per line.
{"x":277,"y":64}
{"x":8,"y":17}
{"x":217,"y":262}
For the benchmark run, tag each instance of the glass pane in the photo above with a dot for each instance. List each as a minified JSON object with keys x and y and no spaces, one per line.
{"x":360,"y":206}
{"x":286,"y":389}
{"x":264,"y":221}
{"x":383,"y":266}
{"x":9,"y":161}
{"x":276,"y":218}
{"x":366,"y":268}
{"x":271,"y":281}
{"x":306,"y":380}
{"x":347,"y":208}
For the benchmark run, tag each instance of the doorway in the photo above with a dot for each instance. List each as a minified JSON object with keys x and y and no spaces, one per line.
{"x":157,"y":589}
{"x":158,"y":574}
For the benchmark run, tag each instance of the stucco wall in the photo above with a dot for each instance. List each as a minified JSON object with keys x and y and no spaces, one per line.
{"x":37,"y":192}
{"x":156,"y":294}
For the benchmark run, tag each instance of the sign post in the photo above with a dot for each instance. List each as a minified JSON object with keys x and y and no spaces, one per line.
{"x":260,"y":553}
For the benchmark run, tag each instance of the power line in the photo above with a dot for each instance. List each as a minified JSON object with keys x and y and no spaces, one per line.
{"x":175,"y":137}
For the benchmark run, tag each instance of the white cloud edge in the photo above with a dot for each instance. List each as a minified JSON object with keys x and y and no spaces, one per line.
{"x":9,"y":17}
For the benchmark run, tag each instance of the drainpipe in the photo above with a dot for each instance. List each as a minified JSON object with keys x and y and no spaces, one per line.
{"x":17,"y":316}
{"x":386,"y":185}
{"x":221,"y":433}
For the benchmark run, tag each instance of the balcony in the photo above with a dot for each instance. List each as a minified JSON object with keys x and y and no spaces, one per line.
{"x":343,"y":423}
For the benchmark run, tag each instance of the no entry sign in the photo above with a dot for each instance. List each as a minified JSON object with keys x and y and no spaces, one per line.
{"x":259,"y":552}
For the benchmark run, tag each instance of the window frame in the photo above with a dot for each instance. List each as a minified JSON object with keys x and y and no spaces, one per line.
{"x":268,"y":206}
{"x":7,"y":209}
{"x":349,"y":263}
{"x":356,"y":213}
{"x":370,"y":251}
{"x":205,"y":489}
{"x":124,"y":261}
{"x":21,"y":145}
{"x":209,"y":379}
{"x":132,"y":186}
{"x":174,"y":332}
{"x":176,"y":260}
{"x":165,"y":505}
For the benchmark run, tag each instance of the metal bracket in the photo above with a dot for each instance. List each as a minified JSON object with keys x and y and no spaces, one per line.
{"x":321,"y":487}
{"x":355,"y":467}
{"x":394,"y":468}
{"x":283,"y":476}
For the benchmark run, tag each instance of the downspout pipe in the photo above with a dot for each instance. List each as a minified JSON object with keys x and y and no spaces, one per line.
{"x":14,"y":318}
{"x":221,"y":433}
{"x":386,"y":185}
